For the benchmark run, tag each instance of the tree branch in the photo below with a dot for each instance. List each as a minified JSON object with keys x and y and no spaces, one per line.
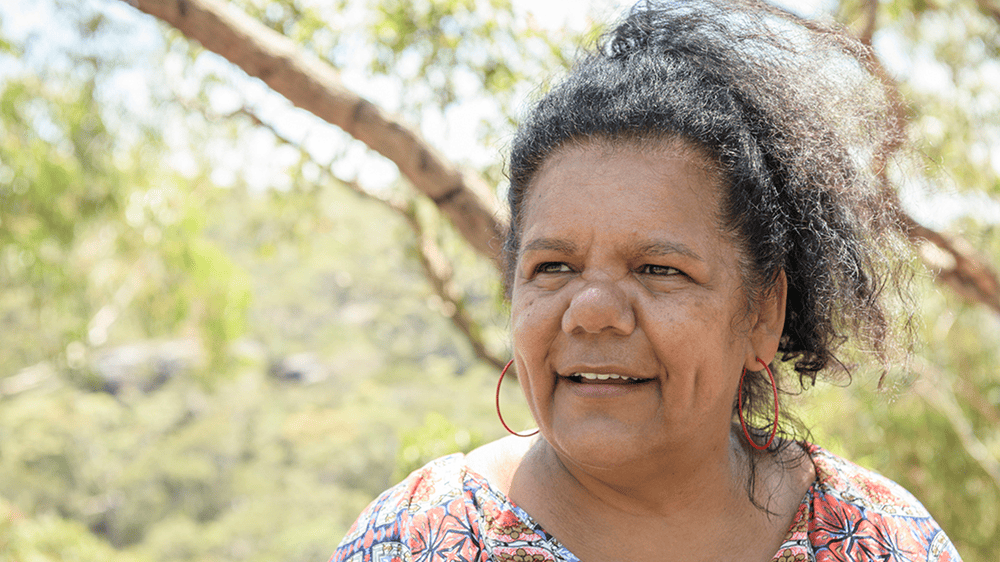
{"x":439,"y":273}
{"x":433,"y":262}
{"x":954,"y":262}
{"x":974,"y":398}
{"x":315,"y":86}
{"x":990,"y":9}
{"x":871,"y":22}
{"x":952,"y":259}
{"x":934,"y":387}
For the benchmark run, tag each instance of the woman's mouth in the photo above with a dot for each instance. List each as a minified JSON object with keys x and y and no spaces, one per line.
{"x":605,"y":378}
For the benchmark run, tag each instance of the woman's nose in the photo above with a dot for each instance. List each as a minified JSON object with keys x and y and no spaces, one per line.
{"x":599,"y":307}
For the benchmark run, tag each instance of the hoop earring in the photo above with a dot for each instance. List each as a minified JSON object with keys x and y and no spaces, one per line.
{"x":499,"y":415}
{"x":739,"y":402}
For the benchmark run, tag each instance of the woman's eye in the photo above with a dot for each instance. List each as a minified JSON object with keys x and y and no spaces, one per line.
{"x":552,"y":267}
{"x":650,"y":269}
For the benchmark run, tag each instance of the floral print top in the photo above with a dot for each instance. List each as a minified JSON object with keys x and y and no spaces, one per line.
{"x":446,"y":512}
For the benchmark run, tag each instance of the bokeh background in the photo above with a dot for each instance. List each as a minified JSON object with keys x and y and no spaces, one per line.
{"x":226,"y":325}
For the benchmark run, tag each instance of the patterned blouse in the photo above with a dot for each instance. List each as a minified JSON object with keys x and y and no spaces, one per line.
{"x":446,"y":512}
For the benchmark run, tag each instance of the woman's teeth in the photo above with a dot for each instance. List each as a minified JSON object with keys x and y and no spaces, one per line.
{"x":604,"y":377}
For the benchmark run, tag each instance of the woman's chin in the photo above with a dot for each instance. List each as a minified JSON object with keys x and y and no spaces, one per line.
{"x":601,"y":445}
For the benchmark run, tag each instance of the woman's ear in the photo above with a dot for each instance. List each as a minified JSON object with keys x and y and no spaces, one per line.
{"x":766,"y":333}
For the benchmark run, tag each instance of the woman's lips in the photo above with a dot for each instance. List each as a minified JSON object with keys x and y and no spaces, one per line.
{"x":589,"y":385}
{"x":604,"y":378}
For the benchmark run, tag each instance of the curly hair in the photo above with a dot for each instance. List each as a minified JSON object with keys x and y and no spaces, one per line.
{"x":795,"y":119}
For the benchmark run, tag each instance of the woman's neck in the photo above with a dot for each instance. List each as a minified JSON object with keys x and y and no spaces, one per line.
{"x":708,"y":481}
{"x":682,"y":507}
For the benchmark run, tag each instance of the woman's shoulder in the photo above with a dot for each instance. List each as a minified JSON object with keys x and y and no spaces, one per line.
{"x":497,"y":461}
{"x":854,"y":508}
{"x":432,"y":501}
{"x":837,"y":477}
{"x":454,"y":508}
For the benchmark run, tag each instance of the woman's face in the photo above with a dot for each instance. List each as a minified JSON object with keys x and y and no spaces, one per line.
{"x":624,"y":272}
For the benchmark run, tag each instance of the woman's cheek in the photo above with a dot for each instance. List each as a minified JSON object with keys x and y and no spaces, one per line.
{"x":524,"y":311}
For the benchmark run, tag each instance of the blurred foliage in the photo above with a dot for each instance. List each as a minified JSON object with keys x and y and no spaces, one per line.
{"x":214,"y":350}
{"x":99,"y":243}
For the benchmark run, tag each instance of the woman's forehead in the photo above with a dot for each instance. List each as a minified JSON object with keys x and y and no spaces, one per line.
{"x":634,"y":185}
{"x":607,"y":148}
{"x":662,"y":160}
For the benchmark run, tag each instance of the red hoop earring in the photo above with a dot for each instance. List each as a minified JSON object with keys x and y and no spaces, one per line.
{"x":499,"y":415}
{"x":739,"y":402}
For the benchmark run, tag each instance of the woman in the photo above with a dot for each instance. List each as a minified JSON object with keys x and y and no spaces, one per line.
{"x":693,"y":204}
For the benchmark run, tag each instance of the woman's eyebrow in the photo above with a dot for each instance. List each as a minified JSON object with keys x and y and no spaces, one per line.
{"x":550,"y":244}
{"x":661,"y":248}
